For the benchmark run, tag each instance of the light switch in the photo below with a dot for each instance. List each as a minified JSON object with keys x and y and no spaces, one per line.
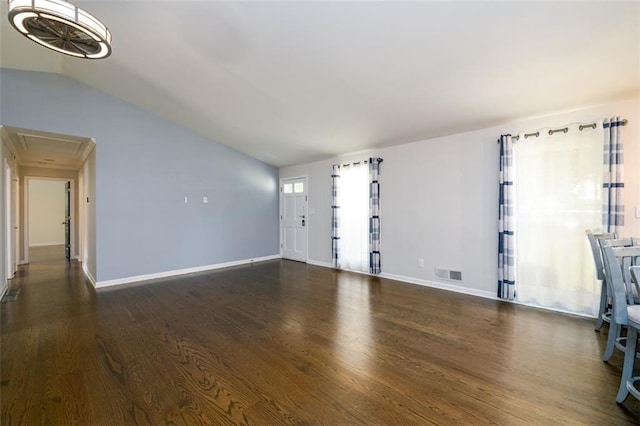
{"x":205,"y":200}
{"x":186,"y":200}
{"x":638,"y":212}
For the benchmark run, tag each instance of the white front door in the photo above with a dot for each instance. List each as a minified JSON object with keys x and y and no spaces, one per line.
{"x":293,"y":218}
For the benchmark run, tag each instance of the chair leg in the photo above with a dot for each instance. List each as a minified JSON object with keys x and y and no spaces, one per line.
{"x":614,"y":333}
{"x":629,"y":361}
{"x":603,"y":306}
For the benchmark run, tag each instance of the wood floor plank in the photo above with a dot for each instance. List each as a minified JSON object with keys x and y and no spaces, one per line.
{"x":19,"y":404}
{"x":283,"y":342}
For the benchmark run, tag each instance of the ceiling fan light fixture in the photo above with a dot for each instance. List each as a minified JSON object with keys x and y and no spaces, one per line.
{"x":61,"y":26}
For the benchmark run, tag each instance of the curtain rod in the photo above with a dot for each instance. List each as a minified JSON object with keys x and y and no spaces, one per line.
{"x":380,"y":160}
{"x":563,"y":130}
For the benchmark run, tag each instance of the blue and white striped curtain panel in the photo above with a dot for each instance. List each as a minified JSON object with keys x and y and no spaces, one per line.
{"x":506,"y":222}
{"x":335,"y":215}
{"x":613,"y":207}
{"x":374,"y":215}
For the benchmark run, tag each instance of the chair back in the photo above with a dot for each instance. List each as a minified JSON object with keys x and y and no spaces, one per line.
{"x":614,"y":242}
{"x":597,"y":252}
{"x":617,"y":262}
{"x":617,"y":242}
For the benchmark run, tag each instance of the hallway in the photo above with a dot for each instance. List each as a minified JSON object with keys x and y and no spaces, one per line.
{"x":51,"y":289}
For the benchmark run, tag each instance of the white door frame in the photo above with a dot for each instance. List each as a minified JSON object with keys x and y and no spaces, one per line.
{"x":82,"y":207}
{"x":27,"y":180}
{"x":280,"y":202}
{"x":10,"y":221}
{"x":15,"y":199}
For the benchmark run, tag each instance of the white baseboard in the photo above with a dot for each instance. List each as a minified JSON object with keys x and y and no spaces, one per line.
{"x":128,"y":280}
{"x":23,"y":262}
{"x":479,"y":293}
{"x":318,"y":263}
{"x":85,"y":268}
{"x":45,"y":244}
{"x":426,"y":283}
{"x":562,"y":311}
{"x":442,"y":286}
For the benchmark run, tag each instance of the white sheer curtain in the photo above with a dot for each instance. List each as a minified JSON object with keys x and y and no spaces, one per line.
{"x":353,"y":199}
{"x":558,"y":195}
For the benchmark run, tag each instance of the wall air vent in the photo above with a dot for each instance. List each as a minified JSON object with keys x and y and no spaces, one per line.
{"x":447,"y":274}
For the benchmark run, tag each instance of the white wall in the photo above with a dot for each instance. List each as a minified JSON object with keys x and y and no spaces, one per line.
{"x":439,"y":199}
{"x":46,"y":212}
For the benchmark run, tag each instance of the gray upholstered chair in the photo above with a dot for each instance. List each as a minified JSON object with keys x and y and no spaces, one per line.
{"x":617,"y":262}
{"x":604,"y":312}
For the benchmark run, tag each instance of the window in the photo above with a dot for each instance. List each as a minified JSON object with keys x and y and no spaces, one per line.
{"x":558,"y":181}
{"x":353,"y":200}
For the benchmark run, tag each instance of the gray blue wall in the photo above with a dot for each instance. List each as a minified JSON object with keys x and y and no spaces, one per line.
{"x":145,"y":166}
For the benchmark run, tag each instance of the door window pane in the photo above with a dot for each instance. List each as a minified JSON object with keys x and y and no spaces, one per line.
{"x":288,"y":188}
{"x":298,"y":187}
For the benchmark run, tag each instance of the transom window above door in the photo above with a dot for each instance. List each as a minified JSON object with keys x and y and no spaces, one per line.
{"x":297,"y":188}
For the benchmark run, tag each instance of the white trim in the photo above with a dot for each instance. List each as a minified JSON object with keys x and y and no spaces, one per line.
{"x":318,"y":263}
{"x":48,"y":166}
{"x":7,"y":246}
{"x":4,"y":135}
{"x":46,"y":244}
{"x":85,"y":268}
{"x":87,"y":150}
{"x":23,"y":262}
{"x":561,"y":311}
{"x":4,"y":289}
{"x":418,"y":281}
{"x":442,"y":286}
{"x":72,"y":213}
{"x":127,"y":280}
{"x":10,"y":195}
{"x":17,"y":221}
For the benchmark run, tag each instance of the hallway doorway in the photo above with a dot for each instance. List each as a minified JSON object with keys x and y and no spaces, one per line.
{"x":45,"y":156}
{"x":47,"y":229}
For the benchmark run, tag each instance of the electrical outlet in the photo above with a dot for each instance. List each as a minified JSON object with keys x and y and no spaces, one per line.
{"x":420,"y":263}
{"x":205,"y":200}
{"x":186,"y":200}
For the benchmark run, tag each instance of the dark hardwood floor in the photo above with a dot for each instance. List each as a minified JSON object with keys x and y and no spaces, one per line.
{"x":282,"y":342}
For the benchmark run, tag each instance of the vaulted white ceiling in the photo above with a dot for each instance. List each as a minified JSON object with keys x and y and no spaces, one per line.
{"x":290,"y":82}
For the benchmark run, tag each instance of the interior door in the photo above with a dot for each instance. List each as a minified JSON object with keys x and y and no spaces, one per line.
{"x":293,"y":218}
{"x":67,"y":221}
